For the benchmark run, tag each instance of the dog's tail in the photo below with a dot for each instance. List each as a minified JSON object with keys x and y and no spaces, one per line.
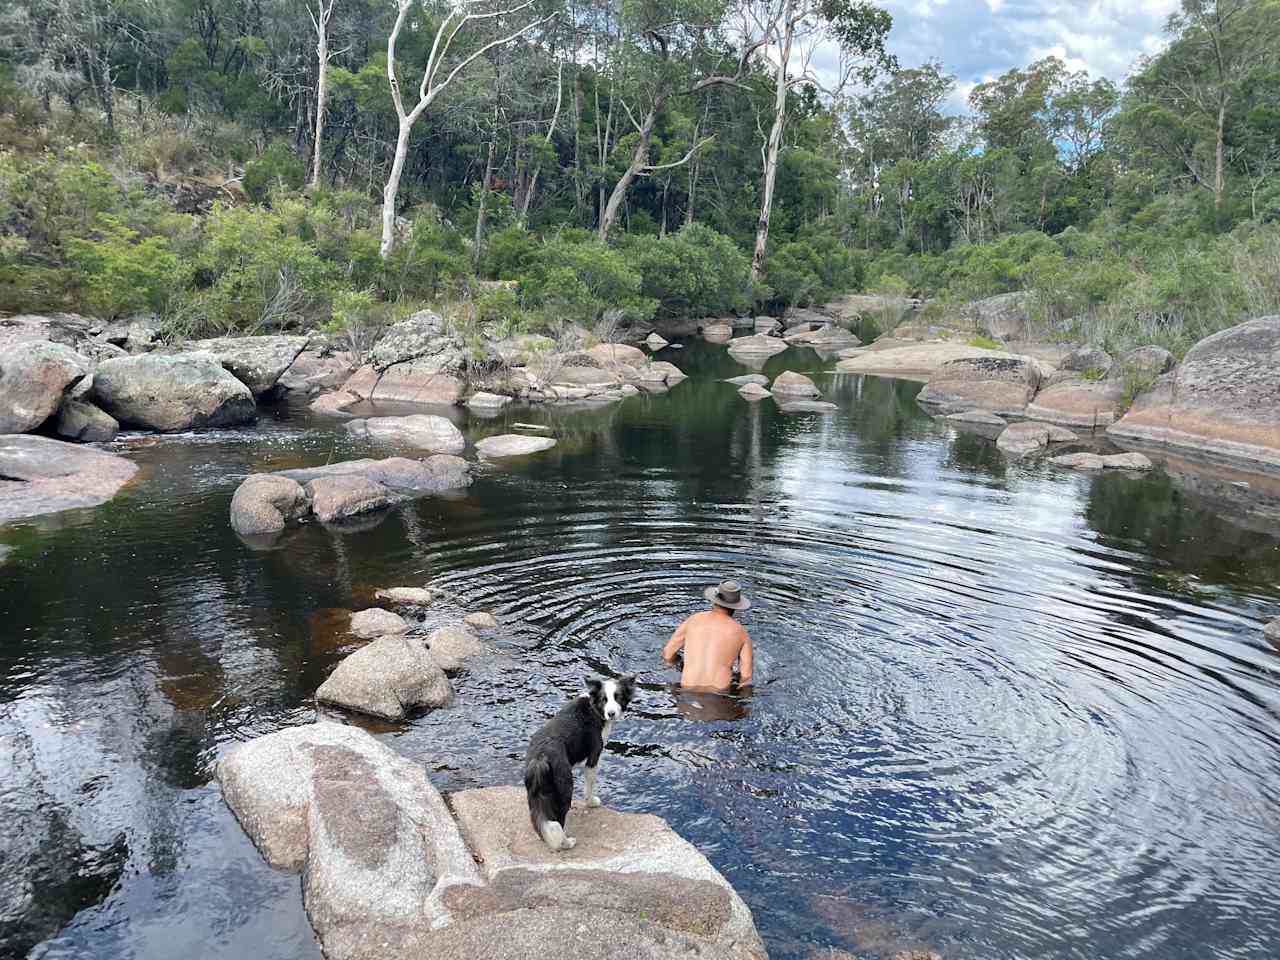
{"x":539,"y":785}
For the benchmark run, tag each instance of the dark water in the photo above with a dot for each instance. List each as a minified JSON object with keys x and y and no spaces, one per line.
{"x":1001,"y":711}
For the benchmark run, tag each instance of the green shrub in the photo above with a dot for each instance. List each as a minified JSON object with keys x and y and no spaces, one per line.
{"x":358,"y":319}
{"x":508,"y":253}
{"x":694,"y":273}
{"x":277,"y":168}
{"x":118,"y":273}
{"x":431,"y":261}
{"x":580,"y":280}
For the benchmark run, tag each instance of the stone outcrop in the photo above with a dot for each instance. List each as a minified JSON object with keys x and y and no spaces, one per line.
{"x":388,"y":873}
{"x":659,"y":371}
{"x":40,"y":475}
{"x":485,"y":402}
{"x":391,"y":678}
{"x":172,"y":392}
{"x":608,"y":354}
{"x":265,"y":503}
{"x":85,"y":423}
{"x":981,"y":418}
{"x":376,"y":622}
{"x":767,"y":325}
{"x":790,"y":385}
{"x":1001,"y":385}
{"x":135,"y":335}
{"x":512,"y":445}
{"x":1003,"y":316}
{"x":1221,"y":402}
{"x":316,"y":369}
{"x":1028,"y":437}
{"x":35,"y":375}
{"x":1095,"y":461}
{"x":415,"y":361}
{"x":916,"y":361}
{"x":1079,"y":403}
{"x":1150,"y":361}
{"x":1088,"y":358}
{"x":420,"y":431}
{"x":453,"y":644}
{"x":257,"y":362}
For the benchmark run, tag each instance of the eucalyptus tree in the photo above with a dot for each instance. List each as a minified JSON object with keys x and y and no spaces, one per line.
{"x":320,"y":17}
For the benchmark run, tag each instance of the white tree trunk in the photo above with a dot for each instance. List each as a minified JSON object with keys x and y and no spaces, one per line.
{"x":322,"y":81}
{"x":393,"y":187}
{"x":638,"y":158}
{"x":774,"y":145}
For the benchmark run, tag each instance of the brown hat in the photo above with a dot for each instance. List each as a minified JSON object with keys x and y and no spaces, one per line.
{"x":727,"y":595}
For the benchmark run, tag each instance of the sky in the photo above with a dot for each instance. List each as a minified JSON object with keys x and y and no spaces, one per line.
{"x":977,"y":40}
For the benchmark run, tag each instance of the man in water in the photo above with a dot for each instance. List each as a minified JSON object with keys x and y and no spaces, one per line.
{"x":712,"y":640}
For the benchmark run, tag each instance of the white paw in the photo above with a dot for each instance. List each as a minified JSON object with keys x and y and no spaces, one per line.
{"x":593,"y":801}
{"x":569,"y":843}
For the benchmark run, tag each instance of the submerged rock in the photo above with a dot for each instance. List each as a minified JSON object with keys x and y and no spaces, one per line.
{"x":376,"y":622}
{"x":1220,"y":402}
{"x":40,"y":475}
{"x":481,"y":620}
{"x":512,"y":445}
{"x":264,"y":503}
{"x":421,"y":431}
{"x":979,"y":417}
{"x":453,"y":644}
{"x":257,"y":362}
{"x":1022,"y":439}
{"x":390,"y":678}
{"x":35,"y":375}
{"x":806,"y":406}
{"x":1094,"y":461}
{"x":334,"y":404}
{"x":85,"y":423}
{"x":791,"y":385}
{"x":172,"y":392}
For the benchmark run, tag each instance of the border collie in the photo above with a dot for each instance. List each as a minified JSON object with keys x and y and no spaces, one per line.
{"x":575,"y":735}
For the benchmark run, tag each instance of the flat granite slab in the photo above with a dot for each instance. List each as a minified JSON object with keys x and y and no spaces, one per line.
{"x":41,"y":475}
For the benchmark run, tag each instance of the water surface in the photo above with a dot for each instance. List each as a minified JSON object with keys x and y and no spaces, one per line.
{"x":1000,"y":711}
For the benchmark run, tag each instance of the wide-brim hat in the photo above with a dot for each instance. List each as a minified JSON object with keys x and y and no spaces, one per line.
{"x":728,"y":595}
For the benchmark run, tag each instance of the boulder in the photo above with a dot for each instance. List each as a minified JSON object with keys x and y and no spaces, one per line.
{"x":41,"y":475}
{"x":409,"y":478}
{"x":1001,"y":385}
{"x":790,"y":385}
{"x":766,"y":325}
{"x":264,"y":503}
{"x":421,"y":431}
{"x":1220,"y":402}
{"x":1150,"y":361}
{"x":1079,"y":403}
{"x":376,"y":622}
{"x":337,"y":498}
{"x":1003,"y":316}
{"x":453,"y":644}
{"x":757,"y":346}
{"x":481,"y":620}
{"x":1023,"y":439}
{"x":628,"y":390}
{"x":257,"y":362}
{"x":172,"y":392}
{"x":512,"y":445}
{"x":806,"y":406}
{"x":753,"y":391}
{"x":611,"y":353}
{"x":586,"y":377}
{"x":390,"y":678}
{"x":316,"y":369}
{"x":630,"y":867}
{"x":406,"y":596}
{"x":718,"y":332}
{"x":1094,"y":461}
{"x":655,"y":343}
{"x":1089,"y":357}
{"x":659,"y":371}
{"x":35,"y":375}
{"x":829,"y":337}
{"x":334,"y":404}
{"x":759,"y":379}
{"x":918,"y":361}
{"x":421,"y":335}
{"x":133,"y":336}
{"x":484,"y":401}
{"x":85,"y":423}
{"x":432,"y":381}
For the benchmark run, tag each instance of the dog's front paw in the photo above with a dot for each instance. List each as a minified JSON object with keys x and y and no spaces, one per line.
{"x":593,"y":801}
{"x":569,"y":843}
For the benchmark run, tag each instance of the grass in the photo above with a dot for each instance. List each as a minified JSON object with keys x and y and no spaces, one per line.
{"x":986,"y":343}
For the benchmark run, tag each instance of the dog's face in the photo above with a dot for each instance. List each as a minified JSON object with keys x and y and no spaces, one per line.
{"x":610,"y":697}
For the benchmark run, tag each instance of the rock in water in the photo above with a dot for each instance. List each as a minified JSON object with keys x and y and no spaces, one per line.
{"x":759,"y":379}
{"x":1220,"y":402}
{"x":376,"y":622}
{"x":407,"y":596}
{"x":980,"y":417}
{"x":257,"y":362}
{"x":390,"y":678}
{"x":264,"y":503}
{"x":1022,"y":439}
{"x":718,"y":332}
{"x":790,"y":385}
{"x":655,"y":342}
{"x":34,"y":377}
{"x":453,"y":644}
{"x":512,"y":445}
{"x":806,"y":406}
{"x":172,"y":392}
{"x":753,"y":391}
{"x":918,"y":360}
{"x":1001,"y":385}
{"x":338,"y":498}
{"x":757,"y":346}
{"x":487,"y":401}
{"x":41,"y":475}
{"x":614,"y":353}
{"x":421,"y":431}
{"x":86,"y":423}
{"x":1094,"y":461}
{"x":1079,"y":403}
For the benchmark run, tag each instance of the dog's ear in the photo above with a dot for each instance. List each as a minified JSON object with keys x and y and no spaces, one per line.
{"x":627,"y":688}
{"x":593,"y":685}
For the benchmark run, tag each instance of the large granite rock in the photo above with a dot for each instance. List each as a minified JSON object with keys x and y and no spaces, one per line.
{"x":257,"y":362}
{"x":512,"y":445}
{"x":453,"y":644}
{"x":41,"y":475}
{"x":35,"y":375}
{"x":1221,"y":401}
{"x":790,"y":385}
{"x":85,"y":423}
{"x":1002,"y":385}
{"x":1028,"y":437}
{"x":410,"y":478}
{"x":1088,"y":358}
{"x":316,"y":368}
{"x":432,"y":381}
{"x":376,"y":622}
{"x":656,"y":342}
{"x":1149,"y":361}
{"x":1079,"y":403}
{"x":420,"y":335}
{"x":485,"y":402}
{"x":1003,"y":316}
{"x":391,"y":678}
{"x":828,"y":337}
{"x":264,"y":503}
{"x":333,"y":404}
{"x":133,"y":335}
{"x":172,"y":392}
{"x":757,"y":346}
{"x":612,"y":353}
{"x":69,"y":329}
{"x":717,"y":332}
{"x":631,"y":868}
{"x":659,"y":371}
{"x":916,"y":361}
{"x":420,"y":431}
{"x":335,"y":499}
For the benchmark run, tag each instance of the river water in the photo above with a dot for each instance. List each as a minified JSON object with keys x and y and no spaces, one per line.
{"x":1001,"y":711}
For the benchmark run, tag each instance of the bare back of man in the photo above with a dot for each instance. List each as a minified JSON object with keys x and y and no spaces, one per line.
{"x":712,"y":642}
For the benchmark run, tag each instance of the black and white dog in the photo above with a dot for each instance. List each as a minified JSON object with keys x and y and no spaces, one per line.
{"x":575,"y":735}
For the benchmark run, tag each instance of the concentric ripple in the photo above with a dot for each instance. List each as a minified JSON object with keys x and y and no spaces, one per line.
{"x":998,"y":712}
